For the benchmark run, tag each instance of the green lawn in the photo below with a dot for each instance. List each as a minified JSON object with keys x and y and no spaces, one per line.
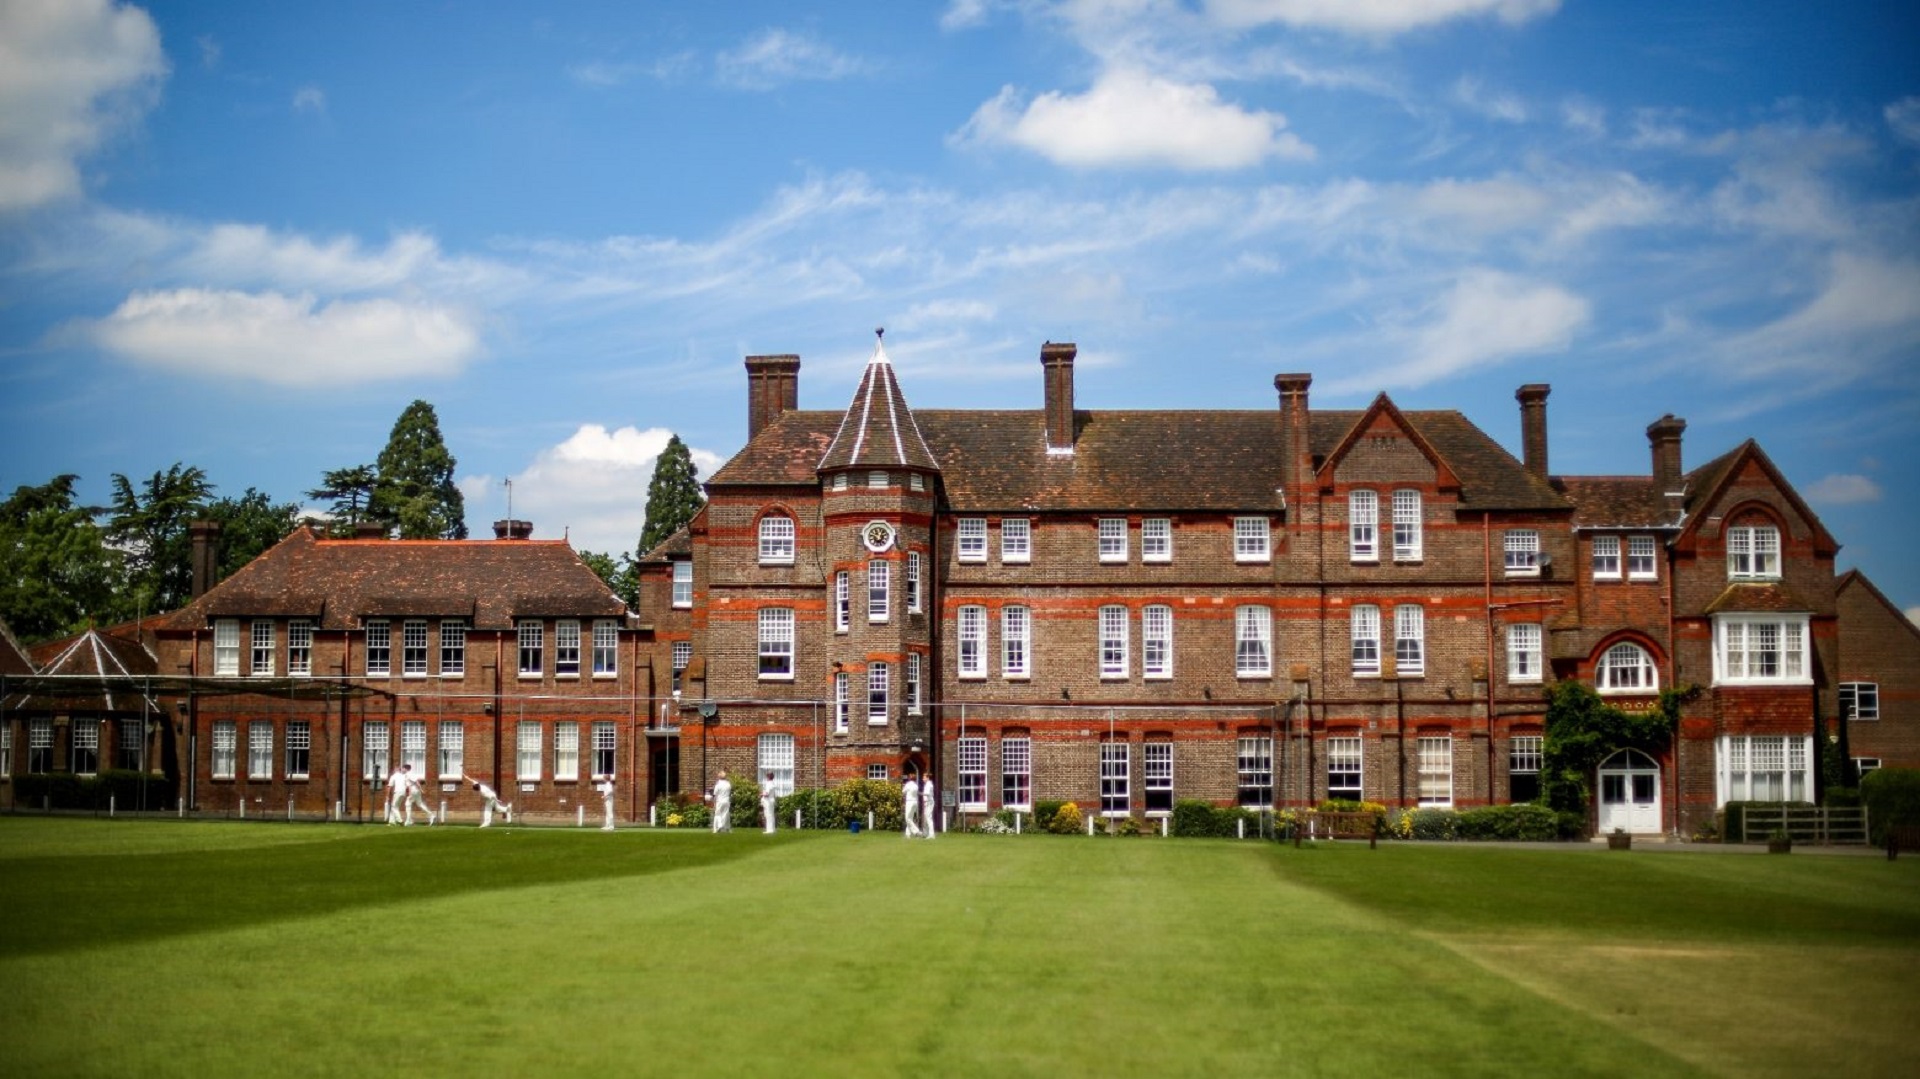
{"x":160,"y":948}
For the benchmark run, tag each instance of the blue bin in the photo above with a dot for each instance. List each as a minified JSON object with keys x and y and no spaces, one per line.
{"x":853,"y":827}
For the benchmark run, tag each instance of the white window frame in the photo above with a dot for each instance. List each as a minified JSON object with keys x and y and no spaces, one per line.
{"x":1363,"y":526}
{"x":1409,"y":639}
{"x":1156,"y":777}
{"x":260,"y":656}
{"x":776,"y":644}
{"x":1113,"y":539}
{"x":606,"y":648}
{"x":879,"y":693}
{"x":377,"y":638}
{"x":840,"y":481}
{"x":1753,"y":553}
{"x":777,"y":540}
{"x":1016,"y":540}
{"x":1524,"y":652}
{"x":842,"y":601}
{"x":530,"y":646}
{"x":376,"y":752}
{"x":1435,"y":769}
{"x":1606,"y":558}
{"x":681,"y":655}
{"x":1409,"y":530}
{"x":450,"y":749}
{"x":529,"y":751}
{"x":1016,"y":773}
{"x":606,"y":747}
{"x":413,"y":745}
{"x":842,"y":703}
{"x":226,"y":647}
{"x":259,"y":750}
{"x":224,"y":749}
{"x":1156,"y":539}
{"x":453,"y":648}
{"x":1611,"y":673}
{"x":1253,"y":771}
{"x":683,"y":583}
{"x":1016,"y":642}
{"x":1346,"y":757}
{"x":1252,"y":539}
{"x":566,"y":648}
{"x":1156,"y":641}
{"x":913,"y":683}
{"x":1864,"y":699}
{"x":774,"y":753}
{"x":1643,"y":558}
{"x":566,"y":751}
{"x":413,"y":648}
{"x":85,"y":760}
{"x":1116,"y":778}
{"x":972,"y":770}
{"x":133,"y":745}
{"x":1763,"y":768}
{"x":970,"y":543}
{"x":879,"y":591}
{"x":971,"y":656}
{"x":1522,"y":549}
{"x":40,"y":746}
{"x":913,"y":582}
{"x":1740,"y":650}
{"x":1114,"y":662}
{"x":877,"y":481}
{"x":299,"y":648}
{"x":298,"y":749}
{"x":1253,"y":641}
{"x":1363,"y":621}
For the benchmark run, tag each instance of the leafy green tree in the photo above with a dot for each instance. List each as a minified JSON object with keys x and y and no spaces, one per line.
{"x":347,"y":493}
{"x":415,"y":493}
{"x":249,"y":525}
{"x":56,"y":570}
{"x":673,"y":495}
{"x":150,"y":524}
{"x":621,"y":575}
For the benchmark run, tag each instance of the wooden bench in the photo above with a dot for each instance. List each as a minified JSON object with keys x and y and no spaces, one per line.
{"x":1339,"y":826}
{"x":1902,"y":837}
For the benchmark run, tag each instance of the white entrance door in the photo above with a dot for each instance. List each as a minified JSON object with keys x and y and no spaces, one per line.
{"x":1630,"y":793}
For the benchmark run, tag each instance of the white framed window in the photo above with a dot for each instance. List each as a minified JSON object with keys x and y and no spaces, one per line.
{"x":376,"y":762}
{"x":259,"y":750}
{"x":226,"y":646}
{"x":683,"y":583}
{"x":776,"y":756}
{"x":1523,"y":652}
{"x":1642,"y":563}
{"x":1409,"y":639}
{"x":379,"y":642}
{"x":40,"y":746}
{"x":842,"y":703}
{"x":1523,"y":552}
{"x":453,"y":648}
{"x":913,"y":582}
{"x":915,"y":482}
{"x":566,"y":648}
{"x":1606,"y":558}
{"x":133,"y":746}
{"x":1364,"y":622}
{"x":1252,"y":642}
{"x":973,"y":641}
{"x":879,"y":771}
{"x":1113,"y":642}
{"x":566,"y":750}
{"x":1156,"y":773}
{"x":842,"y":601}
{"x":776,"y":540}
{"x":1116,"y":778}
{"x":682,"y":655}
{"x":1252,"y":539}
{"x":840,"y":481}
{"x":1156,"y":641}
{"x":1253,"y":771}
{"x":876,"y":480}
{"x":1016,"y":545}
{"x":86,"y":747}
{"x":1156,"y":540}
{"x":528,"y":743}
{"x":299,"y":748}
{"x":1860,"y":700}
{"x":413,"y":745}
{"x":1524,"y":754}
{"x":6,"y":749}
{"x":260,"y":661}
{"x":1764,"y":768}
{"x":972,"y":539}
{"x":1016,"y":642}
{"x":1761,"y":649}
{"x":1863,"y":765}
{"x":879,"y":591}
{"x":879,"y":691}
{"x":1344,"y":771}
{"x":1016,"y":773}
{"x":1408,"y":541}
{"x":221,"y":766}
{"x":1626,"y":668}
{"x":1113,"y":539}
{"x":413,"y":648}
{"x":1753,"y":552}
{"x":776,"y":643}
{"x":973,"y":773}
{"x":913,"y":683}
{"x":531,"y":636}
{"x":1436,"y":770}
{"x":299,"y":647}
{"x":605,"y":748}
{"x":1363,"y":526}
{"x":452,"y":746}
{"x":606,"y":648}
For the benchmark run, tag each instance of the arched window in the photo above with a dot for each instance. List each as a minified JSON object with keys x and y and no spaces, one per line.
{"x":776,"y":540}
{"x":1626,"y":668}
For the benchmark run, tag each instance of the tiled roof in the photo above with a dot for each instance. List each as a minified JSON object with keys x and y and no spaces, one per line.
{"x":1617,"y":502}
{"x":94,"y":654}
{"x":1760,"y":596}
{"x":13,"y":658}
{"x":1490,"y":477}
{"x":679,"y":543}
{"x":335,"y":582}
{"x":878,"y":429}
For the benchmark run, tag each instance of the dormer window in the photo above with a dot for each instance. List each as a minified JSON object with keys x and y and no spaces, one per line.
{"x":776,"y":540}
{"x":876,"y":479}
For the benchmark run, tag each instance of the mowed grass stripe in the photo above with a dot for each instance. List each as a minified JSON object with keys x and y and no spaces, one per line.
{"x":817,"y":955}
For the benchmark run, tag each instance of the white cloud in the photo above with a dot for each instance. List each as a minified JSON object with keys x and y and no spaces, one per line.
{"x":1903,"y":117}
{"x":777,"y":56}
{"x":1486,"y":318}
{"x":1130,"y":118}
{"x":209,"y":51}
{"x":602,"y":74}
{"x":1865,"y":318}
{"x":1843,"y":489}
{"x":1468,"y":91}
{"x":1374,"y":17}
{"x":1586,"y":117}
{"x":72,"y":72}
{"x":963,"y":14}
{"x":286,"y":340}
{"x":310,"y":98}
{"x":592,"y":487}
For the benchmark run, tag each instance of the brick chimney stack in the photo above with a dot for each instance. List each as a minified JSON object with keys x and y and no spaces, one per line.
{"x":1294,"y":421}
{"x":773,"y":387}
{"x":512,"y":529}
{"x":203,"y":539}
{"x":1533,"y":426}
{"x":1057,"y":361}
{"x":1663,"y":435}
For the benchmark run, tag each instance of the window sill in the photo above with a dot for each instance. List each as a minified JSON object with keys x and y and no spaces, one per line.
{"x":776,"y":678}
{"x":1759,"y":683}
{"x":1156,"y":677}
{"x":971,"y":677}
{"x":1408,"y":560}
{"x":606,"y":676}
{"x":872,"y":722}
{"x":529,"y":676}
{"x":1524,"y":680}
{"x":1016,"y":560}
{"x":1016,"y":678}
{"x":1364,"y":560}
{"x":971,"y":560}
{"x":1113,"y":561}
{"x":683,"y":606}
{"x":453,"y":675}
{"x":1253,"y":676}
{"x":1370,"y":676}
{"x":1606,"y":577}
{"x":1262,"y":560}
{"x":1534,"y":572}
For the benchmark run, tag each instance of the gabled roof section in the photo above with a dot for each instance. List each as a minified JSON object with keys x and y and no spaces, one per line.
{"x":99,"y":670}
{"x":1383,"y":406}
{"x":1707,"y":484}
{"x":488,"y":581}
{"x":1489,"y":477}
{"x":878,"y":429}
{"x":1853,"y":578}
{"x":677,"y":545}
{"x":1618,"y":502}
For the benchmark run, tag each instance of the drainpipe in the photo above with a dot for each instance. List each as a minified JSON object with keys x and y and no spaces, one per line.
{"x":1486,"y":569}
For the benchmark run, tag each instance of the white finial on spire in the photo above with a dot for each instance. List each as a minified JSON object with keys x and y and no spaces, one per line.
{"x":879,"y":347}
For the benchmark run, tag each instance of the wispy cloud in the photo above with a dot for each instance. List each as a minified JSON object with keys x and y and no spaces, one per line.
{"x":1473,"y":95}
{"x":1374,"y":17}
{"x":774,"y":57}
{"x":310,"y":98}
{"x":1903,"y":118}
{"x":1843,"y":489}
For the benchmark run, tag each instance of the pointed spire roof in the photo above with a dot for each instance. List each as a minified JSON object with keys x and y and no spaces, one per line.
{"x":878,"y":429}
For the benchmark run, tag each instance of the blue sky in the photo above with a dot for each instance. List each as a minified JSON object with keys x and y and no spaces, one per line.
{"x":244,"y":236}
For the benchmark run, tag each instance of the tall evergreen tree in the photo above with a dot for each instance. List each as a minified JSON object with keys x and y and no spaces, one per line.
{"x":56,"y":570}
{"x":249,"y":525}
{"x":150,"y":525}
{"x":415,"y":493}
{"x":673,"y":495}
{"x":347,"y":493}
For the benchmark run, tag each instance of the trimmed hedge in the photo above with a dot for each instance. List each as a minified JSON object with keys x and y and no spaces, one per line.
{"x":1527,"y":822}
{"x":1892,"y":796}
{"x":1204,"y":819}
{"x":65,"y":790}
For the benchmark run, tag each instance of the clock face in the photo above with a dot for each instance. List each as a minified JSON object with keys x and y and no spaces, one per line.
{"x":878,"y":536}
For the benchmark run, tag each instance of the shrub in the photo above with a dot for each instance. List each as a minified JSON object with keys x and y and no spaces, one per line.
{"x":1065,"y":820}
{"x":1892,"y":796}
{"x":1196,"y":818}
{"x":1043,"y":811}
{"x":1526,"y":822}
{"x":63,"y":790}
{"x":1124,"y":826}
{"x":855,"y":798}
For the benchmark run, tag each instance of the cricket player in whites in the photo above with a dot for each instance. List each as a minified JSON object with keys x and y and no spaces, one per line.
{"x":722,"y":798}
{"x":604,"y":785}
{"x":416,"y":795}
{"x":397,"y":785}
{"x":929,"y":810}
{"x":493,"y":801}
{"x":910,"y":805}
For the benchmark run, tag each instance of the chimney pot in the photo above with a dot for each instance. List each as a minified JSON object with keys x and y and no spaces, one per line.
{"x":1663,"y":438}
{"x":512,"y":529}
{"x":773,"y":387}
{"x":1533,"y":426}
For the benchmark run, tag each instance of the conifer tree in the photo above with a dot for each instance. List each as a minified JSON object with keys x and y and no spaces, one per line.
{"x":347,"y":492}
{"x":415,"y":493}
{"x":673,"y":495}
{"x":150,"y":524}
